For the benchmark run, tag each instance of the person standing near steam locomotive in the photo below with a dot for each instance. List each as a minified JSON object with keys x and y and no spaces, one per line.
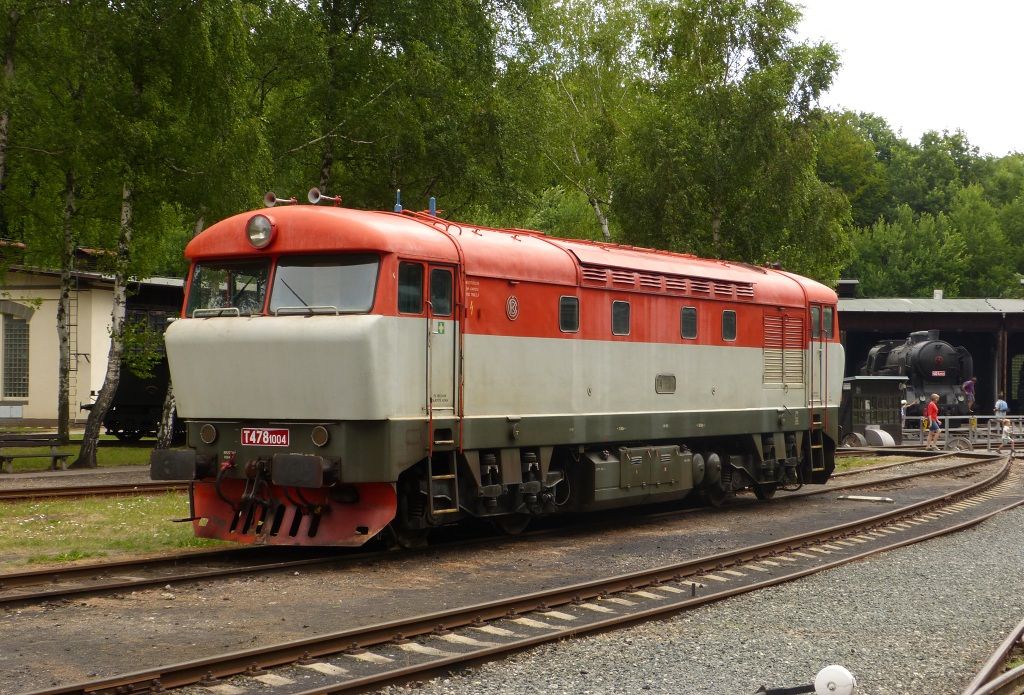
{"x":1002,"y":409}
{"x":932,"y":412}
{"x":968,"y":388}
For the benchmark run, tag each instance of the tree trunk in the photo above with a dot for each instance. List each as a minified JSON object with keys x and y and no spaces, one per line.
{"x":5,"y":114}
{"x":87,"y":454}
{"x":326,"y":162}
{"x":165,"y":437}
{"x":67,"y":260}
{"x":602,"y":219}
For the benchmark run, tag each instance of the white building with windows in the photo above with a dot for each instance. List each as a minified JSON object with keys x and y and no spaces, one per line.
{"x":30,"y":346}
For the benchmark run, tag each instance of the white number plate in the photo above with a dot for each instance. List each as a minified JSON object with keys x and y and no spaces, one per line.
{"x":264,"y":436}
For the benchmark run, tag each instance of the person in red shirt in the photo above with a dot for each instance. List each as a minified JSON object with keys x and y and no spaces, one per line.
{"x":933,"y":422}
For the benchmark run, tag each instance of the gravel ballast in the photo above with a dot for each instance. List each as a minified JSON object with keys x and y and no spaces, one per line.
{"x":921,"y":619}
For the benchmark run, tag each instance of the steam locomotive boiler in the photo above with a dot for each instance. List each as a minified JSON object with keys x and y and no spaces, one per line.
{"x":347,"y":373}
{"x":931,"y":365}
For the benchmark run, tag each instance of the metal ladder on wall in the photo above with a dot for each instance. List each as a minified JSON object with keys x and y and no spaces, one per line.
{"x":442,"y":483}
{"x":72,"y":313}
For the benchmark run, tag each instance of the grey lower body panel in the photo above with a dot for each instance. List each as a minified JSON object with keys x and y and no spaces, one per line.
{"x":379,"y":450}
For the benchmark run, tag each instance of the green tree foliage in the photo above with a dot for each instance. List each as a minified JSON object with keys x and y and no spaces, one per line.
{"x":988,"y":268}
{"x":850,"y":160}
{"x":908,"y":256}
{"x":720,"y":160}
{"x":690,"y":125}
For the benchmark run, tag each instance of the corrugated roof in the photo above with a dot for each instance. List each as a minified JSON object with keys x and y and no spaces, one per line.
{"x":900,"y":305}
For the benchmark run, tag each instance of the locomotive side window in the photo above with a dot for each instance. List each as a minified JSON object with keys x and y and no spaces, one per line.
{"x":441,"y":292}
{"x":569,"y":314}
{"x":826,"y":321}
{"x":815,"y":322}
{"x":688,"y":322}
{"x":410,"y":288}
{"x":728,"y":325}
{"x":241,"y":286}
{"x":620,"y":318}
{"x":339,"y":284}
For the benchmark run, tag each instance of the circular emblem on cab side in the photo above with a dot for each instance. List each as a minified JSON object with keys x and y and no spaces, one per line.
{"x":512,"y":308}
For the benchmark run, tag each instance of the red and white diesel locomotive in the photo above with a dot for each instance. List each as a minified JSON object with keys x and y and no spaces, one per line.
{"x":343,"y":372}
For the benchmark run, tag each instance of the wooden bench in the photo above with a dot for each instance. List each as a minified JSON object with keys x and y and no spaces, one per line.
{"x":58,"y":459}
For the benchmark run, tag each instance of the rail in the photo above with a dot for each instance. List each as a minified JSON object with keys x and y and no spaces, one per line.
{"x":358,"y":658}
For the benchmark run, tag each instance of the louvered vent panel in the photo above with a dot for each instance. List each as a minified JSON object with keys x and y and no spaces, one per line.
{"x":595,"y":274}
{"x":623,"y":277}
{"x":745,"y":291}
{"x":722,"y":289}
{"x":774,"y":358}
{"x":675,"y":284}
{"x":794,"y":343}
{"x":702,"y":286}
{"x":648,"y":280}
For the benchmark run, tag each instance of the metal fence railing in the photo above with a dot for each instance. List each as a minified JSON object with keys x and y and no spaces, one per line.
{"x":965,"y":431}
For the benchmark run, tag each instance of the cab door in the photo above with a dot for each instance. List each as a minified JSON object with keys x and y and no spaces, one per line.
{"x":822,"y":322}
{"x":442,"y":340}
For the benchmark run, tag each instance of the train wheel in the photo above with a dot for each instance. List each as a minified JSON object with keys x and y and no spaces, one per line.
{"x":959,"y":444}
{"x":854,"y":439}
{"x":765,"y":491}
{"x":512,"y":524}
{"x":714,"y":496}
{"x":397,"y":536}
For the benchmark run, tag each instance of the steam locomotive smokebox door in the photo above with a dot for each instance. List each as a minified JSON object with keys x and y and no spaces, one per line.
{"x":872,"y":401}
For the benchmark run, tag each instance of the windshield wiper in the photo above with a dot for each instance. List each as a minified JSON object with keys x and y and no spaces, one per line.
{"x":297,"y":296}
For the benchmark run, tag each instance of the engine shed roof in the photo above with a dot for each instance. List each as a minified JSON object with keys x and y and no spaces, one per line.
{"x":906,"y":305}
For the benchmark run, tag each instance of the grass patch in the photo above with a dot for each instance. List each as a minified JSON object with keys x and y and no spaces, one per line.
{"x":44,"y":532}
{"x":846,"y":463}
{"x":106,"y":456}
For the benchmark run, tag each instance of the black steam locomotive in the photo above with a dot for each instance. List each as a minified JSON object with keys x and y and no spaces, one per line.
{"x":930,"y":364}
{"x":139,"y":400}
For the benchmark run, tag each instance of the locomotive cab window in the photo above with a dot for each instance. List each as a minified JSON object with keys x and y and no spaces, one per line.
{"x":815,"y":322}
{"x":826,"y":322}
{"x":440,"y":292}
{"x":410,"y":288}
{"x":728,"y":325}
{"x":228,"y":288}
{"x":569,"y":314}
{"x":344,"y":284}
{"x":688,"y":322}
{"x":620,"y":318}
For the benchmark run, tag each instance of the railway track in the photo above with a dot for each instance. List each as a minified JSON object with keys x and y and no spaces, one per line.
{"x":148,"y":487}
{"x":999,"y":675}
{"x":129,"y":575}
{"x":140,"y":488}
{"x":402,"y":649}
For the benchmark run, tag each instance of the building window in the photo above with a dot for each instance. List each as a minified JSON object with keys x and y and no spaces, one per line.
{"x":14,"y":345}
{"x":620,"y":318}
{"x":688,"y":322}
{"x":568,"y":314}
{"x":410,"y":288}
{"x":728,"y":325}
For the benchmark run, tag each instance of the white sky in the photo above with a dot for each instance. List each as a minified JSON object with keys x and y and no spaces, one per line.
{"x":928,"y":64}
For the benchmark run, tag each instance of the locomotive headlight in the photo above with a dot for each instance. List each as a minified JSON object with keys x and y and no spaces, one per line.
{"x":320,"y":435}
{"x":208,"y":433}
{"x":260,"y":230}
